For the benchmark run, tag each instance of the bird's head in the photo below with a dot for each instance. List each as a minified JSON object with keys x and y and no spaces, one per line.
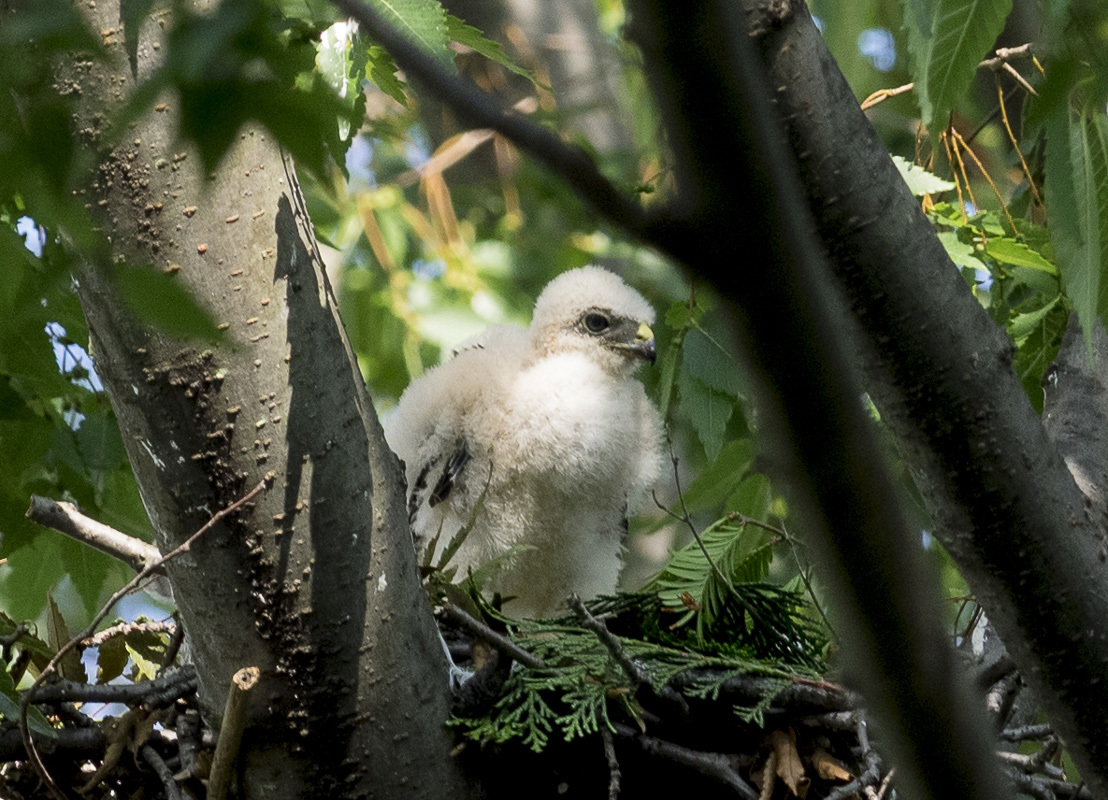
{"x":592,"y":310}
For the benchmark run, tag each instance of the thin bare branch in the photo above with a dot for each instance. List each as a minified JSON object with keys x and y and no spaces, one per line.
{"x":67,"y":518}
{"x":497,"y":640}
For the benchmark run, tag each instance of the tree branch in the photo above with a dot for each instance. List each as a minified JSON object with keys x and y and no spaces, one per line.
{"x":161,"y":691}
{"x":940,"y":371}
{"x":479,"y":110}
{"x":67,"y":518}
{"x":714,"y":765}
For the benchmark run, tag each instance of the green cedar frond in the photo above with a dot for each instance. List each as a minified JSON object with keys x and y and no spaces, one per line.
{"x":570,"y":695}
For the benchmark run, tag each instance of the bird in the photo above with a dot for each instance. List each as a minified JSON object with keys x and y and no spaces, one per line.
{"x":540,"y":441}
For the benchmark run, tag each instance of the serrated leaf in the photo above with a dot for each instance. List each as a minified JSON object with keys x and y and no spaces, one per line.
{"x":159,"y":299}
{"x":1009,"y":251}
{"x":100,"y":444}
{"x":919,"y":23}
{"x":35,"y":569}
{"x":963,"y":32}
{"x":333,"y":61}
{"x":919,"y":180}
{"x":380,"y":70}
{"x":752,"y":498}
{"x":474,"y":39}
{"x":422,"y":22}
{"x":1077,"y":196}
{"x":708,"y":411}
{"x":1037,"y":351}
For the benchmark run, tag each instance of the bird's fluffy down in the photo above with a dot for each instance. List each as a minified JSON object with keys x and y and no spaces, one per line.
{"x":551,"y":426}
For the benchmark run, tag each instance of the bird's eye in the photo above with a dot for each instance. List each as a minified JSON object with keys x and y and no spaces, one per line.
{"x":596,"y":323}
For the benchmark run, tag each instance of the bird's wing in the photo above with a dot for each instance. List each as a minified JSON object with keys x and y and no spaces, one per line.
{"x":432,"y":433}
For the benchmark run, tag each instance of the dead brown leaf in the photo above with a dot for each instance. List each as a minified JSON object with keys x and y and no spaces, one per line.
{"x":830,"y":768}
{"x":790,"y":769}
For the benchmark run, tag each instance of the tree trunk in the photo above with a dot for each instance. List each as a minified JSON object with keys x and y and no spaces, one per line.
{"x":315,"y":582}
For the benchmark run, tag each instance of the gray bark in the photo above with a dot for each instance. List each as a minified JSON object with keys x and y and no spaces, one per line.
{"x":315,"y":582}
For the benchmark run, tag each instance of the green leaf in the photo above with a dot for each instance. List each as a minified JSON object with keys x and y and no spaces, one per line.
{"x":752,"y":498}
{"x":9,"y":708}
{"x":333,"y":61}
{"x":960,"y":252}
{"x":32,"y":571}
{"x":381,"y":70}
{"x":472,"y":38}
{"x":99,"y":443}
{"x":919,"y":23}
{"x":707,"y":409}
{"x":111,"y":659}
{"x":1077,"y":196}
{"x":717,"y":481}
{"x":1022,"y":325}
{"x":1037,"y":351}
{"x":159,"y":299}
{"x":1009,"y":251}
{"x":422,"y":22}
{"x":707,"y":361}
{"x":145,"y":668}
{"x":963,"y":32}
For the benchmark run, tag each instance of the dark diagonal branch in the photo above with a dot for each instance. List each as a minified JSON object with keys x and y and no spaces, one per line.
{"x":479,"y":110}
{"x":158,"y":692}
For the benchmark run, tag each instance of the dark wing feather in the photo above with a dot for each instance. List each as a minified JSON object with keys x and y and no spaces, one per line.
{"x":452,"y":470}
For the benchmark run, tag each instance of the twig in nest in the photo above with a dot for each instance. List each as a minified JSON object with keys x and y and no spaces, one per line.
{"x":147,"y":571}
{"x":869,"y":776}
{"x":634,"y":672}
{"x":188,"y":742}
{"x":165,"y":774}
{"x":714,"y":765}
{"x":1025,"y":732}
{"x":497,"y":640}
{"x":230,"y":732}
{"x":614,"y":776}
{"x":175,"y":642}
{"x":1047,"y":788}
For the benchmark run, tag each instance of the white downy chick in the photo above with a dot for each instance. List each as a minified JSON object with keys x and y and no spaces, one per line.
{"x":551,"y":427}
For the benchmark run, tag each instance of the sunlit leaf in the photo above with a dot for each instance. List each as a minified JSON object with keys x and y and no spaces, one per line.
{"x":919,"y":180}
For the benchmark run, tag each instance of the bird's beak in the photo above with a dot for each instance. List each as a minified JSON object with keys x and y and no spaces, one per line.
{"x":644,"y":346}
